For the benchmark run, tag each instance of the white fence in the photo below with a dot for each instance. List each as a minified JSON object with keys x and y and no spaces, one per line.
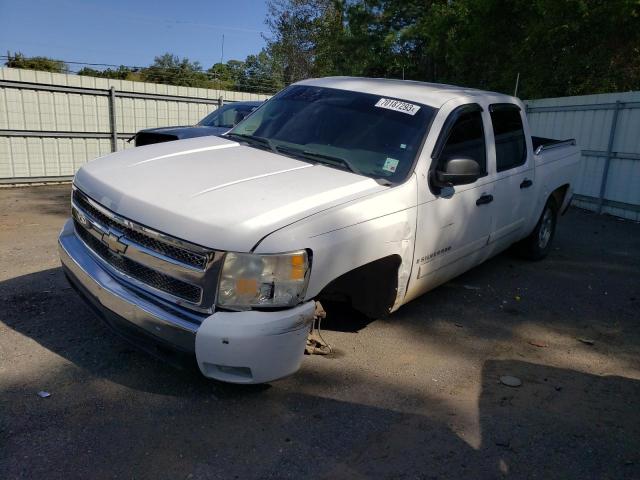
{"x":51,"y":124}
{"x":607,"y":130}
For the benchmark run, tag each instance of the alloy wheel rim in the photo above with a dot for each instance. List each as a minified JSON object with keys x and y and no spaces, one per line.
{"x":546,"y":227}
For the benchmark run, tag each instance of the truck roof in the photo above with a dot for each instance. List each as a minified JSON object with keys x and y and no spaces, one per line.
{"x":432,"y":94}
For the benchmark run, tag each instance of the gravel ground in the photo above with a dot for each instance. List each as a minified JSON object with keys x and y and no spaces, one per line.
{"x":416,"y":395}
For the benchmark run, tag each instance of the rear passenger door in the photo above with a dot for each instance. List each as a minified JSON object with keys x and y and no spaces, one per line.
{"x":514,"y":174}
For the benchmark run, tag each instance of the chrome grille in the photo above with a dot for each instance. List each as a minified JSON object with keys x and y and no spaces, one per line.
{"x":180,"y":254}
{"x":146,"y":275}
{"x":167,"y":267}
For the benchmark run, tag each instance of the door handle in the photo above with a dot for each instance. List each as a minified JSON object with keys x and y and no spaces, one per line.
{"x":526,"y":183}
{"x":484,"y":199}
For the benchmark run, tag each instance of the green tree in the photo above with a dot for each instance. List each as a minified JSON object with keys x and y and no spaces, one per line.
{"x":173,"y":70}
{"x":226,"y":76}
{"x":261,"y":74}
{"x":301,"y":34}
{"x":120,"y":73}
{"x":45,"y":64}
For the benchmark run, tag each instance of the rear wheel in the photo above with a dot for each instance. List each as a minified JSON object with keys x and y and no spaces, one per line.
{"x":538,"y":244}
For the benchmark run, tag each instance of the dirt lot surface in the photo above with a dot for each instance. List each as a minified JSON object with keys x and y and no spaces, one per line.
{"x":413,"y":396}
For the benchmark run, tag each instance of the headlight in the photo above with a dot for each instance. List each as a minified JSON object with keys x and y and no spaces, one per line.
{"x":249,"y":280}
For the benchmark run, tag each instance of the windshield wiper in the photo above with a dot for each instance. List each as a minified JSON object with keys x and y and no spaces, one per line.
{"x":252,"y":140}
{"x":318,"y":157}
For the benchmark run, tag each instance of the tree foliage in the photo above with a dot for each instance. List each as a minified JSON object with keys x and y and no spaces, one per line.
{"x":121,"y":73}
{"x":261,"y":71}
{"x":18,"y":60}
{"x":301,"y":36}
{"x":171,"y":69}
{"x":565,"y":47}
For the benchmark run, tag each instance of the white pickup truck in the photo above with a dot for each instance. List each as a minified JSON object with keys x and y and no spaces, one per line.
{"x":369,"y":191}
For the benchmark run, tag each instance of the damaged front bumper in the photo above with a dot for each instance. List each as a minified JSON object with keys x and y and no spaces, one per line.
{"x":237,"y":347}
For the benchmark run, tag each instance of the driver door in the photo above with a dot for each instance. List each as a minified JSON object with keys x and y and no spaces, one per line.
{"x":453,"y":228}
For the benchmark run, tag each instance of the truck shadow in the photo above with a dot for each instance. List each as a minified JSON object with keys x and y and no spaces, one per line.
{"x":559,"y":424}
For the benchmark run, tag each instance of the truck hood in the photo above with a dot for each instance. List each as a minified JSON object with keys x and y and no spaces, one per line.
{"x":215,"y":192}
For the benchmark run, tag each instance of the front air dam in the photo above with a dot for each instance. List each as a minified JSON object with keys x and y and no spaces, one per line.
{"x":253,"y":346}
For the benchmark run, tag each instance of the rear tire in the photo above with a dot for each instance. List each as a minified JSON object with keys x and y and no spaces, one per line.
{"x":538,"y":244}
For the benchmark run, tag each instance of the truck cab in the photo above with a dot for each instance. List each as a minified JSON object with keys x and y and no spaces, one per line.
{"x":366,"y":191}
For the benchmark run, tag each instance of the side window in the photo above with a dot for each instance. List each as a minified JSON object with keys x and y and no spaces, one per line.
{"x":466,"y":139}
{"x":511,"y":147}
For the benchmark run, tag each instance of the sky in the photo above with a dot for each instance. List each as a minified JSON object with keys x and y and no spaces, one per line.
{"x":132,"y":32}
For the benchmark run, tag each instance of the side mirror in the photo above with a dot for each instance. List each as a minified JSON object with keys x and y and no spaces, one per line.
{"x":457,"y":171}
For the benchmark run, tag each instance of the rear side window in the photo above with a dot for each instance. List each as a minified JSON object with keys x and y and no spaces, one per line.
{"x":466,"y":139}
{"x":511,"y":148}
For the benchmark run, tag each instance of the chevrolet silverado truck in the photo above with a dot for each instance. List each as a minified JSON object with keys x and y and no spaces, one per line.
{"x":368,"y":191}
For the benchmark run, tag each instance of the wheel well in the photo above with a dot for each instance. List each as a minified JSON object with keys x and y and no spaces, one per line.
{"x":370,"y":289}
{"x":559,"y":194}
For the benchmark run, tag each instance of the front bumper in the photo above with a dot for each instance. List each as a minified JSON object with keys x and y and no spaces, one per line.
{"x":238,"y":347}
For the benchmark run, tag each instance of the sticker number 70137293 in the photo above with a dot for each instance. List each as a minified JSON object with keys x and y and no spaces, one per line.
{"x":398,"y":106}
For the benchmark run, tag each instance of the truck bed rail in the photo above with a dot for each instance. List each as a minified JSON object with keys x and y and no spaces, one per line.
{"x":543,"y":144}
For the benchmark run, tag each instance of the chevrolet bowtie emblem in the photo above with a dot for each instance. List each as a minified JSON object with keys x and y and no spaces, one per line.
{"x":81,"y":218}
{"x":114,"y":243}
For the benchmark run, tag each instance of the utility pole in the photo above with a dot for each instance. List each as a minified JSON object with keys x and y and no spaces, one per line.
{"x":515,"y":92}
{"x":222,"y":54}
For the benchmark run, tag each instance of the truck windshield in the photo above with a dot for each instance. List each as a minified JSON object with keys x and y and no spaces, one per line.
{"x":374,"y":136}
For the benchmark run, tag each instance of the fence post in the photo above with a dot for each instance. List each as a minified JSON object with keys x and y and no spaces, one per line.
{"x":112,"y":119}
{"x":607,"y":160}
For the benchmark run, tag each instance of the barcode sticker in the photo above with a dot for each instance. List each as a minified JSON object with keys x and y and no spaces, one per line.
{"x":398,"y":106}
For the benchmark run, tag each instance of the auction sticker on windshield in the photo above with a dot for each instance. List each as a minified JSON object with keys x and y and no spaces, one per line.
{"x":390,"y":164}
{"x":398,"y":106}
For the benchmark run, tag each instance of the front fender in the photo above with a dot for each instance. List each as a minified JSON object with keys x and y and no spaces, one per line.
{"x":354,"y":234}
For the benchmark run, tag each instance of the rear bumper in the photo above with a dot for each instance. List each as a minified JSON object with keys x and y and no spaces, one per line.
{"x":238,"y":347}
